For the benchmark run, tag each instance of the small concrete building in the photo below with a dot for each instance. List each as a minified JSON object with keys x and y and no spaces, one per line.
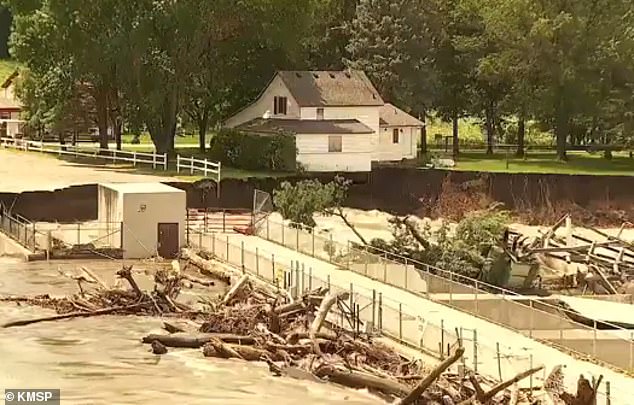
{"x":150,"y":218}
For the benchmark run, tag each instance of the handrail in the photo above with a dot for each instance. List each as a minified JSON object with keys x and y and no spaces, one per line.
{"x":456,"y":278}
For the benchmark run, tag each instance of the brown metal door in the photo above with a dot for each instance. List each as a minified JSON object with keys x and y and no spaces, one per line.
{"x":168,"y":240}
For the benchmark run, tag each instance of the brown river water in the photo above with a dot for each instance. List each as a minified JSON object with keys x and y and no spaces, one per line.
{"x":101,"y":360}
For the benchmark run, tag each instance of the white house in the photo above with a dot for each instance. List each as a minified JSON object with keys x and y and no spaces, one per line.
{"x":10,"y":108}
{"x":337,"y":118}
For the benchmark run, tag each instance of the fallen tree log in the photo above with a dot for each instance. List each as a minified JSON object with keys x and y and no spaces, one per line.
{"x":248,"y":353}
{"x":358,"y":380}
{"x":427,"y":381}
{"x":197,"y":341}
{"x":205,"y":267}
{"x":320,"y":318}
{"x":104,"y":311}
{"x":235,"y":289}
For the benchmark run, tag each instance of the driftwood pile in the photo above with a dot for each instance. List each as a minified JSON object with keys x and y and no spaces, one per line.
{"x":598,"y":264}
{"x":251,"y":321}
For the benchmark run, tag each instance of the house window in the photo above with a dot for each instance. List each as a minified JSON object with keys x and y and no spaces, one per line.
{"x":320,"y":113}
{"x":5,"y":115}
{"x":279,"y":105}
{"x":334,"y":143}
{"x":395,"y":136}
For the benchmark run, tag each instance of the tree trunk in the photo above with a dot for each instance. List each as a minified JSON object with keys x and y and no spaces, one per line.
{"x":490,"y":128}
{"x":118,"y":126}
{"x":423,"y":133}
{"x":101,"y":101}
{"x":202,"y":130}
{"x":521,"y":135}
{"x":456,"y":142}
{"x":562,"y":127}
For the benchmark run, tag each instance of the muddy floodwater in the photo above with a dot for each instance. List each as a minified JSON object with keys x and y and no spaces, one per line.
{"x":101,"y":360}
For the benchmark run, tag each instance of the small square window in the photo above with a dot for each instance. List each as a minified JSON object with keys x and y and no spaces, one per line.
{"x":335,"y":143}
{"x":395,"y":136}
{"x":320,"y":113}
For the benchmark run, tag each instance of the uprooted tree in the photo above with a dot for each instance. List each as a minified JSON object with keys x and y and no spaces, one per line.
{"x":300,"y":201}
{"x":474,"y":248}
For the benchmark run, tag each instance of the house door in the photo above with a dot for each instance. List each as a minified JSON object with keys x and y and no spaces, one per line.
{"x":168,"y":240}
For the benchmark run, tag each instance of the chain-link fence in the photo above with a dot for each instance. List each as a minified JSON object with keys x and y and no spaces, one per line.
{"x":381,"y":315}
{"x":536,"y":318}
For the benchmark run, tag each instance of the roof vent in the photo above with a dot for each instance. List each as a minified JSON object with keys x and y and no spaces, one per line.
{"x":315,"y":75}
{"x":332,"y":75}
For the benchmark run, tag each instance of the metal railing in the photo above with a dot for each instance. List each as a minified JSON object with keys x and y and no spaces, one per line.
{"x":388,"y":317}
{"x":18,"y":228}
{"x":112,"y":155}
{"x":206,"y":167}
{"x":535,"y":318}
{"x":218,"y":219}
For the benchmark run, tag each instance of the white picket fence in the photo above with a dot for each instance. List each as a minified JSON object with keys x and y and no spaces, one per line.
{"x":113,"y":155}
{"x":208,"y":168}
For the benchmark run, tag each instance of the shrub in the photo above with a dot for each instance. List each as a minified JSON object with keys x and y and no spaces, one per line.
{"x":250,"y":151}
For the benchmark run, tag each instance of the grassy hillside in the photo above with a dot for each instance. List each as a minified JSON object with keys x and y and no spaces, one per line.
{"x":6,"y":68}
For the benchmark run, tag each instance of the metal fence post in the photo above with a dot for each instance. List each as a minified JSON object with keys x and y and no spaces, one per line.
{"x":273,"y":267}
{"x":497,"y":352}
{"x":310,"y":279}
{"x":608,"y":400}
{"x":313,"y":238}
{"x":227,"y":242}
{"x":178,"y":163}
{"x":134,"y":159}
{"x":531,"y":376}
{"x":351,"y":295}
{"x":213,"y":243}
{"x":594,"y":338}
{"x":303,"y":274}
{"x":328,"y":280}
{"x":268,"y":237}
{"x":475,"y":350}
{"x":191,"y":165}
{"x":242,"y":255}
{"x":380,"y":312}
{"x":442,"y":338}
{"x":154,"y":160}
{"x":373,"y":309}
{"x":164,"y":161}
{"x":257,"y":261}
{"x":400,"y":321}
{"x":79,"y":233}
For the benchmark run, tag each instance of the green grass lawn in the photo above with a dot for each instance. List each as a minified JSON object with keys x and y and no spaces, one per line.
{"x":7,"y":67}
{"x":546,"y":162}
{"x":146,"y":141}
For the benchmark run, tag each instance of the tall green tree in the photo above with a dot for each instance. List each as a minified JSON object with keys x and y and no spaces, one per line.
{"x":394,"y":42}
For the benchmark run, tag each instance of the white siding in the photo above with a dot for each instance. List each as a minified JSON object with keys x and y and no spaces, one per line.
{"x":406,"y":148}
{"x":265,"y":103}
{"x":355,"y":155}
{"x":366,"y":115}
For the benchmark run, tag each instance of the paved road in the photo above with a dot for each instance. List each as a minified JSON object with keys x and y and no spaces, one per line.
{"x":20,"y":171}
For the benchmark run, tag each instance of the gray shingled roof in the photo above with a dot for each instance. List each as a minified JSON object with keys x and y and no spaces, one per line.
{"x":295,"y":126}
{"x":331,"y":88}
{"x":391,"y":115}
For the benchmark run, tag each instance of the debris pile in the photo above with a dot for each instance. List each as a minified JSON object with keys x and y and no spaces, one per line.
{"x":252,"y":321}
{"x":591,"y":262}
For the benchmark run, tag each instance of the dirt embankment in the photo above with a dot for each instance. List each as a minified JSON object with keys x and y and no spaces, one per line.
{"x":534,"y":199}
